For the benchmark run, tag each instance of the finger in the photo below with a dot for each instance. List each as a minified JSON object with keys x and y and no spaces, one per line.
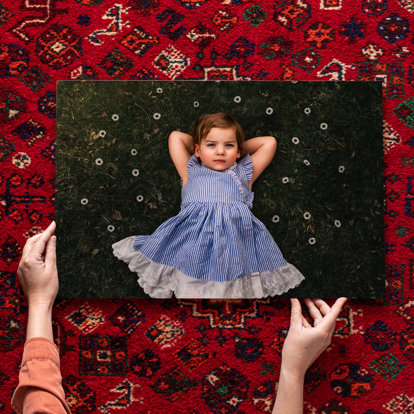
{"x":330,"y":318}
{"x":29,"y":244}
{"x":305,"y":323}
{"x":34,"y":239}
{"x":314,"y":311}
{"x":40,"y":243}
{"x":295,"y":313}
{"x":50,"y":256}
{"x":323,"y":306}
{"x":339,"y":304}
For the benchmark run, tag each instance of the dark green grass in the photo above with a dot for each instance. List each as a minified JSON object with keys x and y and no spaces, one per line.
{"x":346,"y":260}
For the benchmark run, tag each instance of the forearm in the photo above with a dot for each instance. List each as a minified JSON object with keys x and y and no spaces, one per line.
{"x":252,"y":145}
{"x":180,"y":147}
{"x":39,"y":323}
{"x":289,"y":397}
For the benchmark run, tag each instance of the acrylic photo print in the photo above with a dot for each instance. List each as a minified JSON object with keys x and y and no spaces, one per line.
{"x":311,"y":225}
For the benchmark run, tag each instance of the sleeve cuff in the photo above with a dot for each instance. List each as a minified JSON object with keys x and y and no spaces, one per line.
{"x":40,"y":348}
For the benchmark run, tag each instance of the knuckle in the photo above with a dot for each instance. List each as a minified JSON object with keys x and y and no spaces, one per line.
{"x":25,"y":263}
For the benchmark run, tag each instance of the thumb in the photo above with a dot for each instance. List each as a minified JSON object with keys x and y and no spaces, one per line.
{"x":50,"y":256}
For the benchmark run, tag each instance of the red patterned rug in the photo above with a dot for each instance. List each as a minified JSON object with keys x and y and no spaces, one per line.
{"x":147,"y":356}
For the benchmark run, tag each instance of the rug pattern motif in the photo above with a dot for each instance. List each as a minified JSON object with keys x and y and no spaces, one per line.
{"x":204,"y":356}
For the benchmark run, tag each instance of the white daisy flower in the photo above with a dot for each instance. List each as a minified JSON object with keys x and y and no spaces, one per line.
{"x":295,"y":140}
{"x":156,"y":116}
{"x":196,"y":104}
{"x":285,"y":180}
{"x":324,"y":126}
{"x":337,"y":223}
{"x":140,"y":198}
{"x":237,"y":99}
{"x":102,"y":133}
{"x":307,"y":111}
{"x":275,"y":219}
{"x":84,"y":201}
{"x":99,"y":161}
{"x":135,"y":172}
{"x":115,"y":117}
{"x":159,"y":90}
{"x":306,"y":162}
{"x":111,"y":228}
{"x":312,"y":240}
{"x":269,"y":111}
{"x":341,"y":169}
{"x":134,"y":151}
{"x":307,"y":215}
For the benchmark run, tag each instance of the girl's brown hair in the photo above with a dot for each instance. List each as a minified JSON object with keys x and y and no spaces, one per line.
{"x":206,"y":122}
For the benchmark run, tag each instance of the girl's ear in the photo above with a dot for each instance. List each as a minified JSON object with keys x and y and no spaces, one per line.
{"x":196,"y":150}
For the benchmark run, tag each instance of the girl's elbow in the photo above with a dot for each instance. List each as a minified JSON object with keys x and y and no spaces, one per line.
{"x":272,"y":143}
{"x":175,"y":138}
{"x":174,"y":135}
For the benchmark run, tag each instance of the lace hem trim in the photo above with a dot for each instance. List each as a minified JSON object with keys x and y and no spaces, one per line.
{"x":161,"y":281}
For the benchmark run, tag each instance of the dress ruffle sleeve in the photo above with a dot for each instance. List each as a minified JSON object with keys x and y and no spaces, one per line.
{"x":192,"y":163}
{"x":246,"y":165}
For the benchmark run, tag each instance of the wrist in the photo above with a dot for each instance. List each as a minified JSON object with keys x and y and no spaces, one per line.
{"x":292,"y":374}
{"x":41,"y":300}
{"x":289,"y":393}
{"x":39,"y":322}
{"x":40,"y":306}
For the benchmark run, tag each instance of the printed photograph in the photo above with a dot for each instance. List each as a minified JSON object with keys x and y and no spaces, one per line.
{"x":220,"y":190}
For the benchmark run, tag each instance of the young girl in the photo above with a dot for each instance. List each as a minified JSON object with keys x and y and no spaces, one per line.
{"x":215,"y":247}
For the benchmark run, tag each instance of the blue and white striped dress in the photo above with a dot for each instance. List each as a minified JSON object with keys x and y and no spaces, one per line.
{"x":215,"y":247}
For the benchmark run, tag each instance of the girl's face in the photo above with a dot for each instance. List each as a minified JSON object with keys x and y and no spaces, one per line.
{"x":218,"y":150}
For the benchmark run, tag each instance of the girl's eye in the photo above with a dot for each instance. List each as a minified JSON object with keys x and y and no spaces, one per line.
{"x":230,"y":145}
{"x":210,"y":145}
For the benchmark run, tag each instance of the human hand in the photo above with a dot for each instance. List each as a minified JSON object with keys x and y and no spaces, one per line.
{"x":304,"y":343}
{"x":38,"y":276}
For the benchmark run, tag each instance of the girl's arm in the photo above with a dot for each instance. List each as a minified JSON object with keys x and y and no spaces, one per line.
{"x":180,"y":147}
{"x":261,"y":150}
